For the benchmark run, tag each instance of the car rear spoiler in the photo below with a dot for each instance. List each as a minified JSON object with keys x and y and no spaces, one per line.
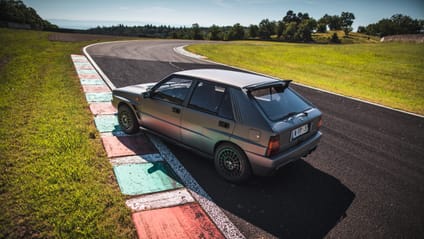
{"x":284,"y":83}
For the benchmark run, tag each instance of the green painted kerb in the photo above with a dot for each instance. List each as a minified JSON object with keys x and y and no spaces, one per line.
{"x":107,"y":123}
{"x":99,"y":97}
{"x":91,"y":82}
{"x":138,"y":179}
{"x":86,"y":71}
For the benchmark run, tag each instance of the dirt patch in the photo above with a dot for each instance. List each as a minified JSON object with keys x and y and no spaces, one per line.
{"x":417,"y":38}
{"x":78,"y":37}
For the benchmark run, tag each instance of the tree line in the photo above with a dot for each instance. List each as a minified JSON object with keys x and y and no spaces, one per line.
{"x":17,"y":12}
{"x":398,"y":24}
{"x":296,"y":27}
{"x":293,"y":27}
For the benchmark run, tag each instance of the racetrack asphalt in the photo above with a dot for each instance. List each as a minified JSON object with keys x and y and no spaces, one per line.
{"x":365,"y":179}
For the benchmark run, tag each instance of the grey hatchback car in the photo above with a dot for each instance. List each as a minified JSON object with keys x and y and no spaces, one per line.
{"x":248,"y":123}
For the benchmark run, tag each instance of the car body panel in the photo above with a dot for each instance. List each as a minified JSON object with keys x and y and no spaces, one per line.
{"x":202,"y":130}
{"x":162,"y":117}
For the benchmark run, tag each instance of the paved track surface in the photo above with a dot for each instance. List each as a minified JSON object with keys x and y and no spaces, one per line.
{"x":366,"y":180}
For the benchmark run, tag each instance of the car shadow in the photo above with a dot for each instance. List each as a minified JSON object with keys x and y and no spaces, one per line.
{"x":300,"y":201}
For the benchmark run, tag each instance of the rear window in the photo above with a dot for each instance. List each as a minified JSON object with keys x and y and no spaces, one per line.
{"x":278,"y":102}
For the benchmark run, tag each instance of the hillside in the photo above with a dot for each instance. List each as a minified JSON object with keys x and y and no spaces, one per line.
{"x":353,"y":37}
{"x":16,"y":14}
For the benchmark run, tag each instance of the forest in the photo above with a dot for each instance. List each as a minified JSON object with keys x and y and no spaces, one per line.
{"x":17,"y":12}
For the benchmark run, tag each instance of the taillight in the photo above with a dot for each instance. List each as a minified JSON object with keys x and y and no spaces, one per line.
{"x":273,"y":145}
{"x":320,"y":123}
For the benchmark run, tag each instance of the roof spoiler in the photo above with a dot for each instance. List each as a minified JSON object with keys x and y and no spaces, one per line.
{"x":284,"y":83}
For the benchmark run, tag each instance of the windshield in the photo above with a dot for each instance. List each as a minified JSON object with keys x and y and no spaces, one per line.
{"x":278,"y":102}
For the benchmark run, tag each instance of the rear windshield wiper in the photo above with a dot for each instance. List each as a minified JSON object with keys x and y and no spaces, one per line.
{"x":293,"y":114}
{"x":289,"y":115}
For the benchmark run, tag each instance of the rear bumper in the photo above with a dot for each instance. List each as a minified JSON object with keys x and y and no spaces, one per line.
{"x":262,"y":165}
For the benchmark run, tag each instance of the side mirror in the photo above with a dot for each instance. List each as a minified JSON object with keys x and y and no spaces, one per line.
{"x":146,"y":94}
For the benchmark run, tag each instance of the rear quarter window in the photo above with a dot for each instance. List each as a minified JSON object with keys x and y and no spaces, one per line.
{"x":277,"y":102}
{"x":213,"y":99}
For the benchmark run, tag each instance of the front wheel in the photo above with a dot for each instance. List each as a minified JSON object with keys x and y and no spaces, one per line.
{"x":231,"y":163}
{"x":127,"y":120}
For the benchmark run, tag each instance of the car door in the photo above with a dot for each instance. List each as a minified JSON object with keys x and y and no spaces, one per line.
{"x":208,"y":117}
{"x":161,"y":112}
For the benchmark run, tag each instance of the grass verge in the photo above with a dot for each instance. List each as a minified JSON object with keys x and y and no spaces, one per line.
{"x":390,"y":74}
{"x":55,"y":180}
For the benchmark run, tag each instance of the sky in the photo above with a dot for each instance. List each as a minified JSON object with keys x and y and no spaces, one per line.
{"x":92,"y":13}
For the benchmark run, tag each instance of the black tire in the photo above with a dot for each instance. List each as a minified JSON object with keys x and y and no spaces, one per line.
{"x":231,"y":163}
{"x":127,"y":120}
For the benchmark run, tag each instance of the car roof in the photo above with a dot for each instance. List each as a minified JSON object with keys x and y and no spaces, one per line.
{"x":228,"y":77}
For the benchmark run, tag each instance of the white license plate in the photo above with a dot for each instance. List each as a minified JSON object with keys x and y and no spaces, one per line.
{"x":299,"y":131}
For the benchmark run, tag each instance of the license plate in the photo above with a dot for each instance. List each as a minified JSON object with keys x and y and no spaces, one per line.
{"x":299,"y":131}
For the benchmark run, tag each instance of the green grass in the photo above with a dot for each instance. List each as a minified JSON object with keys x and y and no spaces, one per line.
{"x":391,"y":74}
{"x":55,"y":180}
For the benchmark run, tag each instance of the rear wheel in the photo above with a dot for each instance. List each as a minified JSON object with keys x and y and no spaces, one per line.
{"x":231,"y":163}
{"x":127,"y":120}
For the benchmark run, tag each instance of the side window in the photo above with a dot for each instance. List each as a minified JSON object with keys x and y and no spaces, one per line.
{"x":226,"y":109}
{"x":174,"y":90}
{"x":212,"y":99}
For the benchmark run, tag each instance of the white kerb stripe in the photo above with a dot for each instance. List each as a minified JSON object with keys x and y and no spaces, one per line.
{"x":160,"y":200}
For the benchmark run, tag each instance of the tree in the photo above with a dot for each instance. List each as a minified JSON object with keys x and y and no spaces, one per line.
{"x":296,"y":27}
{"x":385,"y":27}
{"x":291,"y":17}
{"x":405,"y":24}
{"x":324,"y":20}
{"x":397,"y":24}
{"x":290,"y":31}
{"x":195,"y":32}
{"x":335,"y":23}
{"x":304,"y":30}
{"x":280,"y":26}
{"x":346,"y":21}
{"x":214,"y":33}
{"x":253,"y":31}
{"x":236,"y":32}
{"x":321,"y":27}
{"x":302,"y":16}
{"x":266,"y":29}
{"x":362,"y":29}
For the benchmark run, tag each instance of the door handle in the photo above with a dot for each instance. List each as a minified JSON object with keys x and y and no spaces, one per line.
{"x":176,"y":110}
{"x":223,"y":124}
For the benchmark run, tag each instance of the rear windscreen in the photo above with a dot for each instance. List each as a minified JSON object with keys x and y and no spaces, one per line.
{"x":277,"y":102}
